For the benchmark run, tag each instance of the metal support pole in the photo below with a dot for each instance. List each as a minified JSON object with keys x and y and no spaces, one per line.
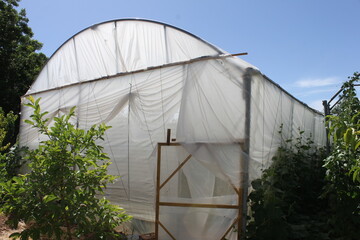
{"x":327,"y":112}
{"x":244,"y":184}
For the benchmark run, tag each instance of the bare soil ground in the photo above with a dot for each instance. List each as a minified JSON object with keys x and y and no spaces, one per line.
{"x":6,"y":231}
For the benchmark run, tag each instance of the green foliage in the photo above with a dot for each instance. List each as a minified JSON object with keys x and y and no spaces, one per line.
{"x":7,"y":128}
{"x":343,"y":164}
{"x":345,"y":129}
{"x":9,"y":156}
{"x":59,"y":196}
{"x":297,"y":198}
{"x":349,"y":104}
{"x":19,"y":60}
{"x":10,"y":162}
{"x":285,"y":202}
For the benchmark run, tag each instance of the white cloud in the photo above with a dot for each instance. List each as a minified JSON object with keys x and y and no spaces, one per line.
{"x":317,"y":82}
{"x":316,"y":91}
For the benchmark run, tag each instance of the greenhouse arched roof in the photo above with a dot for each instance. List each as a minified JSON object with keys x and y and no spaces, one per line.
{"x":119,"y":47}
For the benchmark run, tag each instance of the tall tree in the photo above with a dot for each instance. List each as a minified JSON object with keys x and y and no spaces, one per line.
{"x":20,"y":60}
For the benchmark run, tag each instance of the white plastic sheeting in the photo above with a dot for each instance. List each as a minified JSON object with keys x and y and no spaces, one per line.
{"x":142,"y":78}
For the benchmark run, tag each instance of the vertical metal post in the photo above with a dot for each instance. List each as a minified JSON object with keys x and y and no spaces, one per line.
{"x":327,"y":112}
{"x":244,"y":182}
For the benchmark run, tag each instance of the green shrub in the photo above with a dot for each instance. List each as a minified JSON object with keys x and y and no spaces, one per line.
{"x":343,"y":165}
{"x":285,"y":202}
{"x":9,"y":155}
{"x":308,"y":195}
{"x":10,"y":162}
{"x":58,"y":197}
{"x":7,"y":129}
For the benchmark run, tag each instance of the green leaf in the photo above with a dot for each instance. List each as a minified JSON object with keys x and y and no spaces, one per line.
{"x":356,"y":176}
{"x":15,"y":235}
{"x":348,"y":136}
{"x":50,"y":198}
{"x":31,"y":99}
{"x":72,"y":110}
{"x":357,"y":145}
{"x":18,"y":180}
{"x":29,"y":105}
{"x":29,"y":121}
{"x":43,"y":114}
{"x":37,"y":101}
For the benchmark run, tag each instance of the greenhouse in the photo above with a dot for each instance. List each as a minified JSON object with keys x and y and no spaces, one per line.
{"x":192,"y":125}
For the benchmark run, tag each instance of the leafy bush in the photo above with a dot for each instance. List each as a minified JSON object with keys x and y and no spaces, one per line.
{"x":7,"y":128}
{"x":10,"y":162}
{"x":9,"y":155}
{"x":343,"y":164}
{"x":285,"y":202}
{"x":298,"y":198}
{"x":58,"y":197}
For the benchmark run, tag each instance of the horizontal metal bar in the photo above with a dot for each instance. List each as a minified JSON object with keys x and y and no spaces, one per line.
{"x":198,"y":205}
{"x":198,"y":59}
{"x":237,"y":141}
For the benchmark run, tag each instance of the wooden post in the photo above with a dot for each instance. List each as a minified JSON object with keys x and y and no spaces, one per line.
{"x":168,"y":136}
{"x":240,"y":212}
{"x":239,"y":54}
{"x":157,"y":208}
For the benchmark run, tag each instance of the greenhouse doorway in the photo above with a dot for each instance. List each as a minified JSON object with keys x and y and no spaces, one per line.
{"x":182,"y":212}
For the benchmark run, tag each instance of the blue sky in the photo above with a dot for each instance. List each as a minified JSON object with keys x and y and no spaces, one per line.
{"x":309,"y":47}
